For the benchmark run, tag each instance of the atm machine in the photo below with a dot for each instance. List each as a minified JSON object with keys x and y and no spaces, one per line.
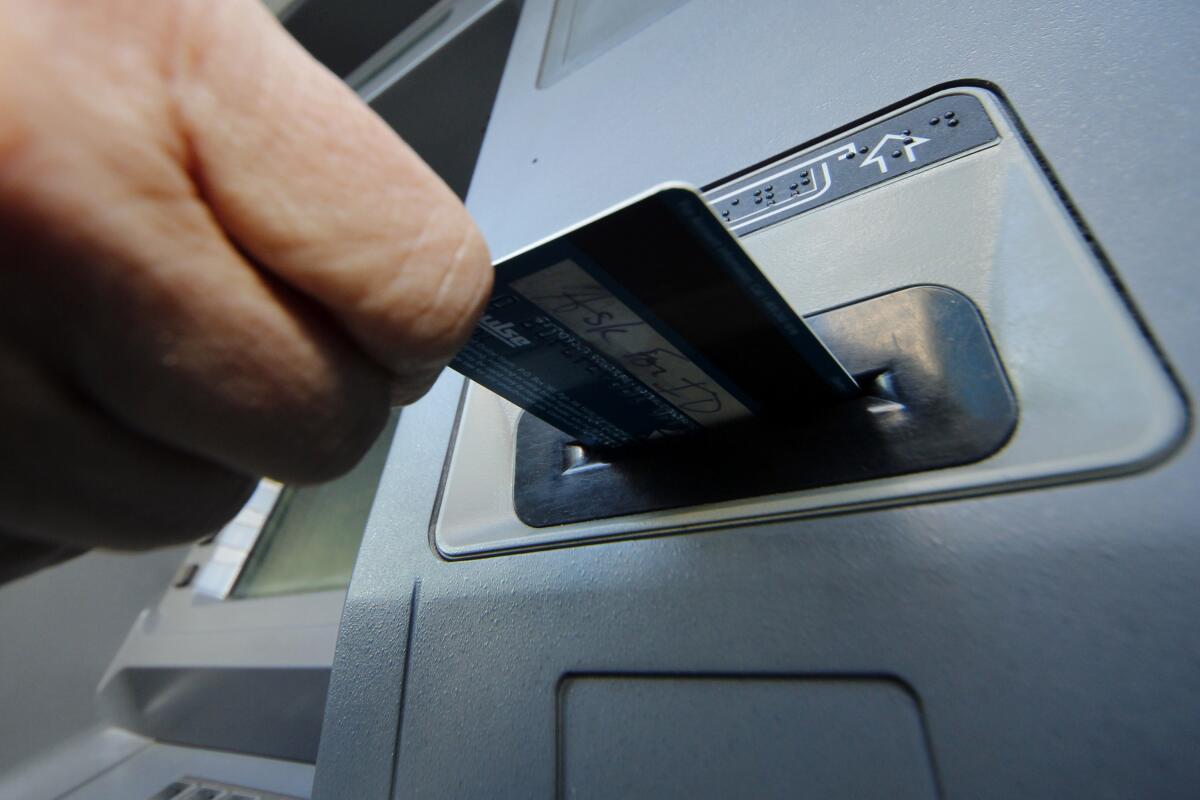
{"x":980,"y":578}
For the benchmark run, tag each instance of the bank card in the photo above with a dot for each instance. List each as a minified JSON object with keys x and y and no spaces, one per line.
{"x":647,"y":321}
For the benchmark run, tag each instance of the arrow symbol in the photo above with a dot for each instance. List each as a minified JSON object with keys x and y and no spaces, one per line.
{"x":875,"y":158}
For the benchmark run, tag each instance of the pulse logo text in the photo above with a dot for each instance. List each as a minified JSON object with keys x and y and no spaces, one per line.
{"x":503,"y":331}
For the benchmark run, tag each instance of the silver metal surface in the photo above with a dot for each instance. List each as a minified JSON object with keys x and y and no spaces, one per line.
{"x":432,"y":30}
{"x":217,"y":575}
{"x":583,"y":30}
{"x":148,"y":771}
{"x":71,"y":763}
{"x":987,"y":223}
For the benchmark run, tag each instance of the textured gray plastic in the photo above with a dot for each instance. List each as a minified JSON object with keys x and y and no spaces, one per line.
{"x":1049,"y":636}
{"x":711,"y":736}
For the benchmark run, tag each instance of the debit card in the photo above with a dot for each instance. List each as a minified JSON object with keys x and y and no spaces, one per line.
{"x":647,"y":321}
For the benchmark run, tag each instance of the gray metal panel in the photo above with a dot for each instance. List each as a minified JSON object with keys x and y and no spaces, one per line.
{"x":583,"y":30}
{"x":147,"y":772}
{"x":193,"y":664}
{"x":1050,"y":635}
{"x":268,"y":712}
{"x":58,"y":630}
{"x":445,"y":79}
{"x":72,"y":763}
{"x":190,"y":668}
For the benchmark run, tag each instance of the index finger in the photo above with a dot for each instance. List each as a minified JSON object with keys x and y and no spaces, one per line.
{"x":309,"y":182}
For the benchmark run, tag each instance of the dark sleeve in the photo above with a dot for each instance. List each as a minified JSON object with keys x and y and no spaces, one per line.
{"x":19,"y":557}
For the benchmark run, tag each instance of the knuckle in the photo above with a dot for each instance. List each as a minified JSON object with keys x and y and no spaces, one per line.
{"x":432,"y":314}
{"x":175,"y":514}
{"x":329,"y":442}
{"x":296,"y":402}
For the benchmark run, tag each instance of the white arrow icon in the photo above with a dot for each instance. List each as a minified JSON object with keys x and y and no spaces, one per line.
{"x":875,"y":158}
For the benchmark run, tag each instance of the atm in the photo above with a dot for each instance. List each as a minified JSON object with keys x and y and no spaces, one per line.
{"x":978,"y":578}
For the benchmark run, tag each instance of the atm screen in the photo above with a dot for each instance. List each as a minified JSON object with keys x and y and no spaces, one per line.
{"x":311,"y":538}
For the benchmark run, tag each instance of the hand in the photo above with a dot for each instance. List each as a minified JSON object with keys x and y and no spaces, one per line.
{"x":216,"y":264}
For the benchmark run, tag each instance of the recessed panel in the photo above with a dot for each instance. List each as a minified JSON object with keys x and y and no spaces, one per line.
{"x":583,"y":30}
{"x":705,"y":737}
{"x":1093,"y":398}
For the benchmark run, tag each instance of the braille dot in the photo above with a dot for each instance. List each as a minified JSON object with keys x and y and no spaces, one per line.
{"x":908,"y":140}
{"x":849,"y":156}
{"x":934,"y":121}
{"x":769,"y":188}
{"x":804,"y":174}
{"x":906,"y":132}
{"x":725,"y":213}
{"x":793,"y":186}
{"x":952,"y":123}
{"x":757,"y":200}
{"x":804,"y":182}
{"x":770,"y":202}
{"x":770,"y":195}
{"x":949,"y":115}
{"x":895,"y":154}
{"x":735,"y":202}
{"x":862,"y":149}
{"x":757,"y":192}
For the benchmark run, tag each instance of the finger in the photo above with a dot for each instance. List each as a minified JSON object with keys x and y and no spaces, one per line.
{"x":116,"y":270}
{"x":156,"y":317}
{"x":321,"y":192}
{"x":72,"y":476}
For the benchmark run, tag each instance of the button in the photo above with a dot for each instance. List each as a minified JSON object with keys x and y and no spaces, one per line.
{"x":185,"y":579}
{"x":172,"y":790}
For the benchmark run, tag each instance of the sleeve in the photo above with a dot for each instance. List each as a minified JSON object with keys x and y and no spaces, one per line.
{"x":20,"y":557}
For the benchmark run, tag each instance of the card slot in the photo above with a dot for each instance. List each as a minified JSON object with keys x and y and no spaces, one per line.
{"x":933,"y":394}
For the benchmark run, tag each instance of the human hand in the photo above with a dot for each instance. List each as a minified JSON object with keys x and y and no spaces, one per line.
{"x":217,"y":264}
